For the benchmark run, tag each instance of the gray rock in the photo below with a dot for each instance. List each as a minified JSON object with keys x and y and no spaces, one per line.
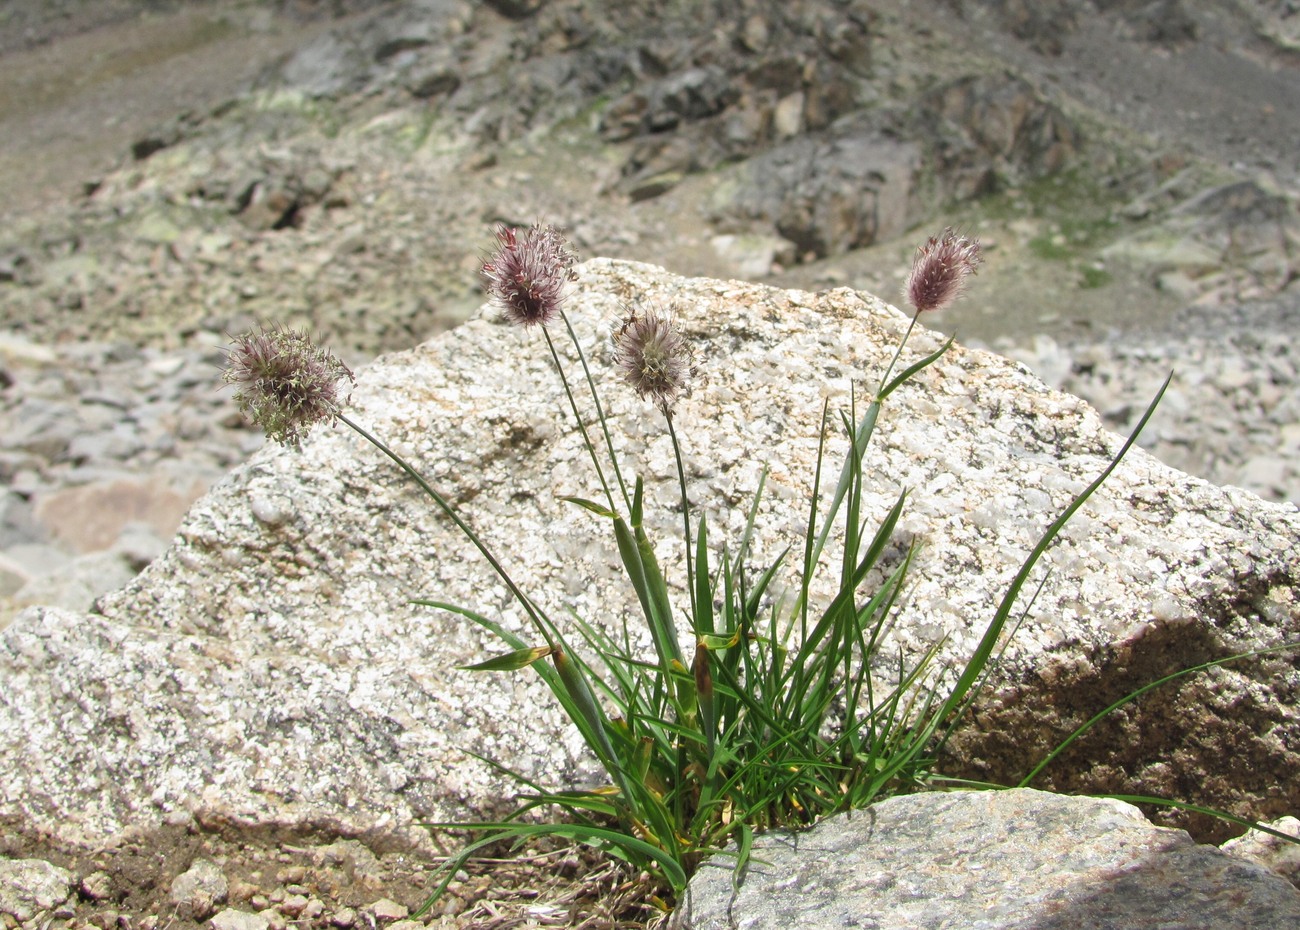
{"x":235,"y":919}
{"x":116,"y":444}
{"x":753,"y":256}
{"x":1269,"y":473}
{"x":40,"y":427}
{"x":1231,"y":411}
{"x":287,"y":655}
{"x":91,"y":517}
{"x":516,"y":9}
{"x":982,"y":131}
{"x":15,"y":350}
{"x":988,"y":861}
{"x":1043,"y":25}
{"x":354,"y":857}
{"x":1271,"y":851}
{"x":659,"y":106}
{"x":33,"y":559}
{"x":98,"y":886}
{"x":365,"y":52}
{"x":1245,"y":226}
{"x":386,"y":910}
{"x":198,"y":890}
{"x":139,"y":544}
{"x":826,"y":195}
{"x":75,"y":584}
{"x":33,"y":888}
{"x":17,"y":525}
{"x":12,"y":576}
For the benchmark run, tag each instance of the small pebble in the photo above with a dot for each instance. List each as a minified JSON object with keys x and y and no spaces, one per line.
{"x":97,"y":886}
{"x":293,"y":905}
{"x":386,"y":910}
{"x":291,"y":875}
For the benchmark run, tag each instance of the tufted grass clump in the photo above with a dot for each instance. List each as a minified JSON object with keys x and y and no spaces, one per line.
{"x":765,"y":715}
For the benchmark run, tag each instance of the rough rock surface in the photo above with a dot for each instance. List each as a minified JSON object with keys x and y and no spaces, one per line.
{"x":988,"y":860}
{"x":34,"y":890}
{"x":269,"y":667}
{"x":348,"y":187}
{"x":1269,"y":850}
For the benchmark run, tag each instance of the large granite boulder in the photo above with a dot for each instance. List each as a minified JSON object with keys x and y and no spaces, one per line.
{"x":993,"y":860}
{"x":271,"y":669}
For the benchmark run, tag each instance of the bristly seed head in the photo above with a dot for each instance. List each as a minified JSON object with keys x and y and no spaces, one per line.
{"x":654,"y":357}
{"x":286,"y":384}
{"x":940,"y":269}
{"x":528,"y":273}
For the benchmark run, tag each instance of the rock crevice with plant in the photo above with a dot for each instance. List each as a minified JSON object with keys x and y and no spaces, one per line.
{"x":282,"y":623}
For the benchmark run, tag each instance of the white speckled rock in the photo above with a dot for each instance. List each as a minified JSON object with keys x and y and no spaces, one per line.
{"x":34,"y":890}
{"x":992,"y":860}
{"x":270,"y":668}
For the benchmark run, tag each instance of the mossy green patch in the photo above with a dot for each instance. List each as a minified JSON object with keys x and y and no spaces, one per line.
{"x":1078,"y":207}
{"x":1091,"y":277}
{"x":1051,"y":247}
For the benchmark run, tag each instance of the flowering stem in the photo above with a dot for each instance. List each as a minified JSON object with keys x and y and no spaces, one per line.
{"x":600,"y":411}
{"x":897,"y":352}
{"x":865,"y":427}
{"x":686,"y":511}
{"x":464,"y":527}
{"x":582,"y":426}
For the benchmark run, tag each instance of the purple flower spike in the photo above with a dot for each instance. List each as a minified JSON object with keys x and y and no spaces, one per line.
{"x":529,"y":272}
{"x":285,"y":383}
{"x":940,"y":269}
{"x":654,"y":357}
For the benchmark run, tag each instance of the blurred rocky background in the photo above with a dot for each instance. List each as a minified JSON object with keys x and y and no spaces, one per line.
{"x":174,"y":171}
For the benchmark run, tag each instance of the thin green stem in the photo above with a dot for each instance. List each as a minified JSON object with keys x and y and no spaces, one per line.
{"x":445,"y":507}
{"x":686,"y":514}
{"x":600,"y":410}
{"x":897,"y":352}
{"x":582,"y":426}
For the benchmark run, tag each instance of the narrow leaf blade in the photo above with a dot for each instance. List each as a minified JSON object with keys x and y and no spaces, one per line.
{"x":511,"y":661}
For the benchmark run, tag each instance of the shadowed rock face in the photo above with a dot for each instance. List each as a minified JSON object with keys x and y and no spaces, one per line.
{"x":270,"y":668}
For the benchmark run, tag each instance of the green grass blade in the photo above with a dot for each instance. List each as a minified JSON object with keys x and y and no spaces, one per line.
{"x":599,"y":510}
{"x":643,"y":572}
{"x":810,"y":537}
{"x":704,"y":696}
{"x":579,"y":692}
{"x":1208,"y":811}
{"x":660,"y":616}
{"x":866,"y":427}
{"x":629,"y":551}
{"x":975,"y":666}
{"x":744,"y":847}
{"x":510,"y":661}
{"x":703,"y":614}
{"x":914,"y":368}
{"x":661,"y":619}
{"x":841,"y":605}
